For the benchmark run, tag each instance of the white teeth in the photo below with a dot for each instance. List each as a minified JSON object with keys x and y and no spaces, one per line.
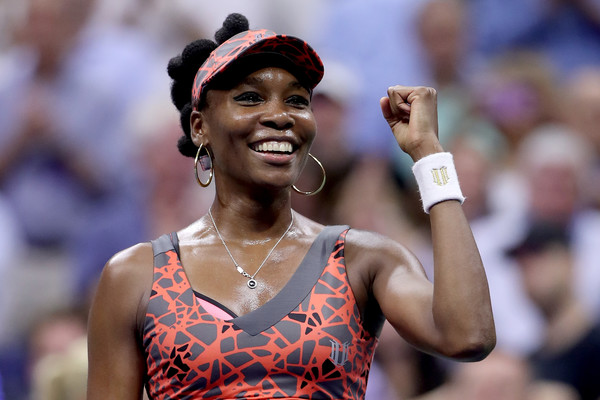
{"x":281,"y":147}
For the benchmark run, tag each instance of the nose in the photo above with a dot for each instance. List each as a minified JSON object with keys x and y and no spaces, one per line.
{"x":277,"y":116}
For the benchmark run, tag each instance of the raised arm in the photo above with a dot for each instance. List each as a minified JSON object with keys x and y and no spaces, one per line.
{"x":116,"y":363}
{"x":454,"y":317}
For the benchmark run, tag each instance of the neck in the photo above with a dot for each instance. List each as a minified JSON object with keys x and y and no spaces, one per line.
{"x":238,"y":218}
{"x":252,"y":283}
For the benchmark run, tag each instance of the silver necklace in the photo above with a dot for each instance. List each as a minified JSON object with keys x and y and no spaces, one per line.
{"x":251,"y":281}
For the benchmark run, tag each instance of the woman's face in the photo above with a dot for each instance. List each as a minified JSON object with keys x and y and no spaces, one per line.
{"x":260,"y":130}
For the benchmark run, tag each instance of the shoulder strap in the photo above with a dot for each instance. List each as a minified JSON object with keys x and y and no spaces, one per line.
{"x":175,"y":241}
{"x":162,"y":244}
{"x":167,"y":242}
{"x":326,"y":241}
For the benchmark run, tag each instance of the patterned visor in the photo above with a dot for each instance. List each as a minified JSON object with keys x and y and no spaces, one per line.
{"x":251,"y":42}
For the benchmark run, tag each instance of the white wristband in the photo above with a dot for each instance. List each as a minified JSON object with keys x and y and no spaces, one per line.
{"x":437,"y":180}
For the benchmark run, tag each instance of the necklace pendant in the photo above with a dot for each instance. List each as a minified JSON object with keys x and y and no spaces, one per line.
{"x":252,"y":284}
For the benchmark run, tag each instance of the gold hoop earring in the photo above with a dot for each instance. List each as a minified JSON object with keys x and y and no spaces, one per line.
{"x":204,"y":164}
{"x":322,"y":182}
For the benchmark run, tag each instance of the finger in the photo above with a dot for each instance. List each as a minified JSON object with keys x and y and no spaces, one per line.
{"x":395,"y":99}
{"x":384,"y":102}
{"x":398,"y":98}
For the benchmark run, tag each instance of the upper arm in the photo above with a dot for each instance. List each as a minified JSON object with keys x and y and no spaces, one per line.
{"x":116,"y":363}
{"x":382,"y":269}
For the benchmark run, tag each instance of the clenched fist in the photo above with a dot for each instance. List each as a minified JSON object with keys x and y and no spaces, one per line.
{"x":411,"y":113}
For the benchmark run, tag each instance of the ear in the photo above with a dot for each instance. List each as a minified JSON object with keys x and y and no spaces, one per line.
{"x":196,"y":124}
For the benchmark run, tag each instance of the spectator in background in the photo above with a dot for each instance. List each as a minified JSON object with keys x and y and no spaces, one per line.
{"x":164,"y":24}
{"x":517,"y":94}
{"x":54,"y":333}
{"x":62,"y":376}
{"x":444,"y":46}
{"x":357,"y":33}
{"x":11,"y":14}
{"x":554,"y":161}
{"x":409,"y":373}
{"x":502,"y":376}
{"x":476,"y":158}
{"x":567,"y":32}
{"x":66,"y":172}
{"x":555,"y":164}
{"x":570,"y":351}
{"x":64,"y":96}
{"x":11,"y":248}
{"x":580,"y":111}
{"x":57,"y":364}
{"x":551,"y":165}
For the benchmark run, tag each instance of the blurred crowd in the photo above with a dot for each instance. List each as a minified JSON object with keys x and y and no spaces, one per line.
{"x":89,"y":166}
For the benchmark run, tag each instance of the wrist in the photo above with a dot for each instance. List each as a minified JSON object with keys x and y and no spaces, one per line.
{"x":425,"y":150}
{"x":437,"y":179}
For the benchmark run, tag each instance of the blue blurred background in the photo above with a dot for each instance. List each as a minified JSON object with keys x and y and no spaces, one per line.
{"x":89,"y":166}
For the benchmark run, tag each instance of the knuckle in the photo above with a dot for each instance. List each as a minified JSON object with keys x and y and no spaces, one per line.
{"x":425,"y":91}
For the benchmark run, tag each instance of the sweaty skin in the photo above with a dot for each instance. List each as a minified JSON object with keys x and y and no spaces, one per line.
{"x":452,"y":318}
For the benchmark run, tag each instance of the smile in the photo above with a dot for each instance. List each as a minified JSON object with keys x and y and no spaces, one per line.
{"x":273,"y":147}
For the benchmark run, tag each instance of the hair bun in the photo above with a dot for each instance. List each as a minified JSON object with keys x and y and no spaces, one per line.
{"x":233,"y":24}
{"x":175,"y":67}
{"x":197,"y":52}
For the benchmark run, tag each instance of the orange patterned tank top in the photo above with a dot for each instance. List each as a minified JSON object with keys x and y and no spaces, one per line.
{"x":308,"y":342}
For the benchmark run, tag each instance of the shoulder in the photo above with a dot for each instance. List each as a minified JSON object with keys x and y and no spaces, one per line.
{"x":127,"y":276}
{"x":122,"y":294}
{"x":116,"y":322}
{"x":130,"y":263}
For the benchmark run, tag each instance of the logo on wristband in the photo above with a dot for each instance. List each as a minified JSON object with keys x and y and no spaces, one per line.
{"x":440,"y":176}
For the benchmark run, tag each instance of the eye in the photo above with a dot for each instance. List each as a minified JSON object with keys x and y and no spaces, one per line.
{"x":248,"y":98}
{"x":298,"y":101}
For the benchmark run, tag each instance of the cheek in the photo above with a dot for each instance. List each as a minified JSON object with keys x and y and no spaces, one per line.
{"x":308,"y":124}
{"x":229,"y":130}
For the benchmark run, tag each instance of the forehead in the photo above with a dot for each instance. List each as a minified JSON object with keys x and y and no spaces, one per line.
{"x":274,"y":78}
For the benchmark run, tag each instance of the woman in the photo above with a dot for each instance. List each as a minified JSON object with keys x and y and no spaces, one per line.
{"x":254,"y":300}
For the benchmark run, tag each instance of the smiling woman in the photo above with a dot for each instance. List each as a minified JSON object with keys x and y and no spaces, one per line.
{"x":254,"y":300}
{"x":272,"y":113}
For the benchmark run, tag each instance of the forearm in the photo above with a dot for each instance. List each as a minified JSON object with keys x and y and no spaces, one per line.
{"x":462,"y":309}
{"x":458,"y":318}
